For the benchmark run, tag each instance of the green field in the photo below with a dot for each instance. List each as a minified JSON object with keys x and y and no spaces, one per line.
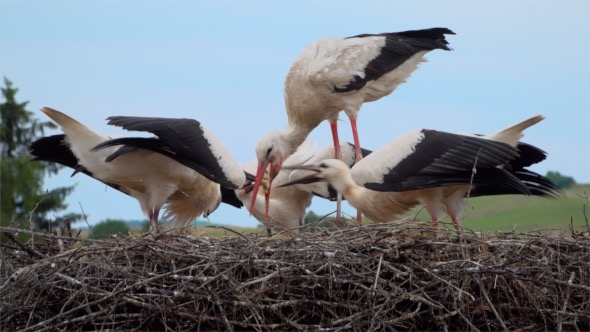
{"x":503,"y":213}
{"x":495,"y":213}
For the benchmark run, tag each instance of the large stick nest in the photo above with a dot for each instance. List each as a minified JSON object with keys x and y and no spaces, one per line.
{"x":376,"y":277}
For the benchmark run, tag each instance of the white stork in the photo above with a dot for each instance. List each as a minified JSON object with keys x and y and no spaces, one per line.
{"x":334,"y":75}
{"x":287,"y":205}
{"x":185,"y":169}
{"x":437,"y":169}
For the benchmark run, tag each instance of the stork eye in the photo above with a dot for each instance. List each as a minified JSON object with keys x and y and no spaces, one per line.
{"x":323,"y":165}
{"x":268,"y":152}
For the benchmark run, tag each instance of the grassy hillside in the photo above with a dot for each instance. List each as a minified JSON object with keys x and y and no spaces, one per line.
{"x":496,"y":213}
{"x":502,"y":213}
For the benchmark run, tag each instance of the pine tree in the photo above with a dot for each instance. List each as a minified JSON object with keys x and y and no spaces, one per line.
{"x":23,"y":199}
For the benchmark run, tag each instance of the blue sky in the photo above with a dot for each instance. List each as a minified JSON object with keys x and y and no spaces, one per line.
{"x":223,"y":63}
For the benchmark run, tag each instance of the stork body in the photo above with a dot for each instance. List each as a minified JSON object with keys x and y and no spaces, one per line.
{"x":435,"y":169}
{"x":334,"y":75}
{"x":136,"y":167}
{"x":286,"y":206}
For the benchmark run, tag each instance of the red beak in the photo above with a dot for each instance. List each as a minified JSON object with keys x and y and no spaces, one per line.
{"x":275,"y":167}
{"x":274,"y":171}
{"x":259,"y":175}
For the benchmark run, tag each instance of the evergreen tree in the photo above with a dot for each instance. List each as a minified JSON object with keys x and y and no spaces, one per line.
{"x":561,"y":181}
{"x":22,"y":197}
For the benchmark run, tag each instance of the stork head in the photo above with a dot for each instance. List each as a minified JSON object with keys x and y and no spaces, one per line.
{"x":271,"y":151}
{"x":329,"y":170}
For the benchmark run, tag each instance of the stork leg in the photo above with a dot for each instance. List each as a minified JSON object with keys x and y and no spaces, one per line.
{"x":436,"y":211}
{"x":439,"y":232}
{"x":456,"y":223}
{"x":355,"y":136}
{"x":337,"y":155}
{"x":334,"y":128}
{"x":153,"y":215}
{"x":359,"y":156}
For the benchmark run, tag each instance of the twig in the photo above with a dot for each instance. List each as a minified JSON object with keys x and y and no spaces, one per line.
{"x":31,"y":251}
{"x":490,"y":304}
{"x":229,"y":230}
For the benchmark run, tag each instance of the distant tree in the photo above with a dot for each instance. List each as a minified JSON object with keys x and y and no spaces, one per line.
{"x":311,"y":217}
{"x":145,"y":226}
{"x":110,"y":227}
{"x":23,"y":198}
{"x":560,"y":181}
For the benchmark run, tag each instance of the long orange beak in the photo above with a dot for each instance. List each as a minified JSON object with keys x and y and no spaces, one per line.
{"x":275,"y":168}
{"x":259,"y":175}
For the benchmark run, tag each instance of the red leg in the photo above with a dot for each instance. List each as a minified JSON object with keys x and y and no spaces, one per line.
{"x":153,"y":215}
{"x":337,"y":155}
{"x":457,"y":225}
{"x":355,"y":136}
{"x":359,"y":156}
{"x":334,"y":128}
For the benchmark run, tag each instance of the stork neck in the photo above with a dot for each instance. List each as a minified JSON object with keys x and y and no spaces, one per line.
{"x":346,"y":186}
{"x":294,"y":137}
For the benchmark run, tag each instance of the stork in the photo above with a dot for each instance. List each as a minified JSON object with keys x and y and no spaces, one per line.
{"x":437,"y":169}
{"x":287,"y":205}
{"x":182,"y":170}
{"x":321,"y":189}
{"x":333,"y":75}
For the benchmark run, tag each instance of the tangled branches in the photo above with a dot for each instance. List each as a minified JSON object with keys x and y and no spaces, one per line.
{"x":377,"y":277}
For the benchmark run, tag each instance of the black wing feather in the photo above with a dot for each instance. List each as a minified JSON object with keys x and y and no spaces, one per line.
{"x":444,"y":159}
{"x":55,"y":149}
{"x":529,"y":155}
{"x":228,"y":196}
{"x":399,"y":47}
{"x":182,"y":140}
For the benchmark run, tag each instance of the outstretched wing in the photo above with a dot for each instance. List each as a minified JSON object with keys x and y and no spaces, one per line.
{"x":429,"y":158}
{"x":185,"y":141}
{"x":55,"y":149}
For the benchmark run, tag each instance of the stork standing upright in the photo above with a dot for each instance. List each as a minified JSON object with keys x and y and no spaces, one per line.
{"x":181,"y":170}
{"x":437,"y":169}
{"x":334,"y":75}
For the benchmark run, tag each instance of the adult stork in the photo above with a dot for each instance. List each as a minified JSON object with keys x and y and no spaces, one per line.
{"x":437,"y":169}
{"x":287,"y":205}
{"x":182,"y":170}
{"x":334,"y":75}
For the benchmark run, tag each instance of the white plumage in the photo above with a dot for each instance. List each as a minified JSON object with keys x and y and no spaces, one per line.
{"x":334,"y":75}
{"x":435,"y":169}
{"x":321,"y":189}
{"x":158,"y":172}
{"x":287,"y":205}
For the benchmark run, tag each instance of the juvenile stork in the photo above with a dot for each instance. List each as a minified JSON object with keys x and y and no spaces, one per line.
{"x":334,"y":75}
{"x":437,"y":169}
{"x":183,"y":169}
